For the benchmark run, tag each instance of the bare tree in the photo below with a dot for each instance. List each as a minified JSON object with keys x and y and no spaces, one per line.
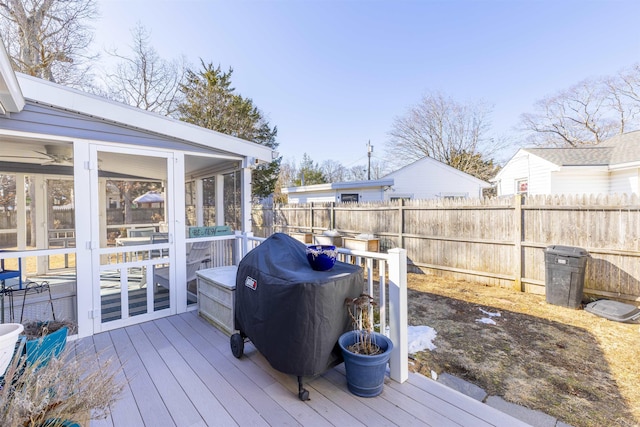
{"x":145,"y":80}
{"x":49,"y":38}
{"x":286,"y":175}
{"x":585,"y":114}
{"x":334,"y":171}
{"x":624,"y":96}
{"x":445,"y":130}
{"x":357,"y":173}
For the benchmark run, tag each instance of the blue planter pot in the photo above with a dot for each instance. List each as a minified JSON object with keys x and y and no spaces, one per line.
{"x":41,"y":350}
{"x":365,"y":374}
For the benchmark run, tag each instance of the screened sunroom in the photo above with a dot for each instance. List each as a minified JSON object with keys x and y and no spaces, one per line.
{"x":106,"y":211}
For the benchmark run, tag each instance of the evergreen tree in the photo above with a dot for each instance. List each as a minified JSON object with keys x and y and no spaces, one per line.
{"x":211,"y":102}
{"x":310,"y":173}
{"x":474,"y":164}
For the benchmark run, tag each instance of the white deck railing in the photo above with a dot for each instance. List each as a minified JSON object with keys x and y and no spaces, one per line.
{"x":391,"y":276}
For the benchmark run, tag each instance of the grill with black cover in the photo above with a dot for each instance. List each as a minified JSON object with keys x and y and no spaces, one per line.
{"x":293,"y":314}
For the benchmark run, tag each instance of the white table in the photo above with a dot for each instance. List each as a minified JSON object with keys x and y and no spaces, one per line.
{"x":133,"y":241}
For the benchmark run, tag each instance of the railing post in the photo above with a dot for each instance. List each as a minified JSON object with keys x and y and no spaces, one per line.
{"x":398,"y":314}
{"x":240,"y":247}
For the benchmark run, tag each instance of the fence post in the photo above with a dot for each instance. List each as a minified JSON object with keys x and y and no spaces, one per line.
{"x":517,"y":222}
{"x":398,"y":314}
{"x":332,"y":216}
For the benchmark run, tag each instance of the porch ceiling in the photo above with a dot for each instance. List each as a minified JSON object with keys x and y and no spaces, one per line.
{"x":40,"y":156}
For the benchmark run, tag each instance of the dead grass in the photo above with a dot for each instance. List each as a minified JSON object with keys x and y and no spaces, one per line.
{"x":73,"y":387}
{"x":573,"y":365}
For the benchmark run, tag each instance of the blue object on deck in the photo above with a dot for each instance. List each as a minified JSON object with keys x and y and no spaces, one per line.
{"x":41,"y":350}
{"x":322,"y":257}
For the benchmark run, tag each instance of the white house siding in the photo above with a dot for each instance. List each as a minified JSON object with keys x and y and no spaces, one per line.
{"x":429,"y":179}
{"x":580,"y":180}
{"x":333,"y":195}
{"x":625,"y":181}
{"x":366,"y":195}
{"x":523,"y":165}
{"x":312,"y":197}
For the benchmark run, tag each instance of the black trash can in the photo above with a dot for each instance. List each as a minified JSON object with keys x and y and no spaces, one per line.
{"x":564,"y":275}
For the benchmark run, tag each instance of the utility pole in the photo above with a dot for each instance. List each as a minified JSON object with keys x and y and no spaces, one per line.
{"x":369,"y":151}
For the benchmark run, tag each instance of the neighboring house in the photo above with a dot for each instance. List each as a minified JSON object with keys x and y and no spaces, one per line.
{"x":423,"y":179}
{"x":350,"y":191}
{"x":611,"y":167}
{"x":428,"y":178}
{"x":49,"y":133}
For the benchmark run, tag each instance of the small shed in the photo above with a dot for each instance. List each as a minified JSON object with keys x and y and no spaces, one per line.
{"x":345,"y":192}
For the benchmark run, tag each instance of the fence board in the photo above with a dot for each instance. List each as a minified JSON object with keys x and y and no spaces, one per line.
{"x":498,"y":241}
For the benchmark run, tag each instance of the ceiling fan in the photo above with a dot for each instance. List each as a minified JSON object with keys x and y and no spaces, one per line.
{"x":52,"y":155}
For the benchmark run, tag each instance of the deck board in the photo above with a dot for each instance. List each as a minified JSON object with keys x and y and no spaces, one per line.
{"x":175,"y":399}
{"x":150,"y":405}
{"x":180,"y":371}
{"x":252,"y":394}
{"x":220,"y":395}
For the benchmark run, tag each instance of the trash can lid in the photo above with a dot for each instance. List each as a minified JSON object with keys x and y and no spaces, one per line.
{"x":570,"y":251}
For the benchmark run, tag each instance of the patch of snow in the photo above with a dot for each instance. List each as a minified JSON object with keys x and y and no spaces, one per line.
{"x":486,"y":320}
{"x":365,"y":236}
{"x":421,"y":338}
{"x":490,"y":314}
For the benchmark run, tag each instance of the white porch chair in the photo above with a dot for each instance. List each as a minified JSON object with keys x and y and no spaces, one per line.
{"x":198,"y":255}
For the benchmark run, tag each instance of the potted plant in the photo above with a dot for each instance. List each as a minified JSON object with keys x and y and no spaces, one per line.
{"x":365,"y":351}
{"x":60,"y":387}
{"x":45,"y":340}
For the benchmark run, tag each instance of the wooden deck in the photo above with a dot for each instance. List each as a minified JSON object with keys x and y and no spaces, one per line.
{"x":181,"y":372}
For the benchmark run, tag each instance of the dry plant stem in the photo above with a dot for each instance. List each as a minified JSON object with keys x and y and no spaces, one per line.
{"x":63,"y":389}
{"x":361,"y":313}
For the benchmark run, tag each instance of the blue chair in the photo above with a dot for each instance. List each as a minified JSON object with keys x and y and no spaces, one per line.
{"x":4,"y":290}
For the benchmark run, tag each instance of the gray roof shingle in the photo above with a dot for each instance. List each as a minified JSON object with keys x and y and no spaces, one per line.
{"x":619,"y":149}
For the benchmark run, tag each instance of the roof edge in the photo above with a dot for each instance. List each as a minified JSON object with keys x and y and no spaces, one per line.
{"x":55,"y":95}
{"x":339,"y":186}
{"x":11,"y":98}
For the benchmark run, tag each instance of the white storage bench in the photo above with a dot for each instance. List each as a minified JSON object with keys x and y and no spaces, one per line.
{"x":216,"y":296}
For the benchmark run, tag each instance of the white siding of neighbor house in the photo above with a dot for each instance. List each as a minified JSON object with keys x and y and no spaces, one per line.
{"x":624,"y":181}
{"x":545,"y":177}
{"x":429,"y":179}
{"x":580,"y":180}
{"x":333,"y":195}
{"x":524,"y":165}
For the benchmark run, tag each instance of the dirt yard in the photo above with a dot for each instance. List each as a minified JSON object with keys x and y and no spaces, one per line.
{"x":571,"y":364}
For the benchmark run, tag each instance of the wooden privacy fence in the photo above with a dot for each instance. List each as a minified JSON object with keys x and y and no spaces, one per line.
{"x":499,"y":241}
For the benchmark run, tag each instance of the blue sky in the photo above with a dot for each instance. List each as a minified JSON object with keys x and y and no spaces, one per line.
{"x":332,"y":75}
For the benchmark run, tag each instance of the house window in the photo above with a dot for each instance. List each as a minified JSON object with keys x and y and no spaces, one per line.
{"x":349,"y":198}
{"x":522,"y":186}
